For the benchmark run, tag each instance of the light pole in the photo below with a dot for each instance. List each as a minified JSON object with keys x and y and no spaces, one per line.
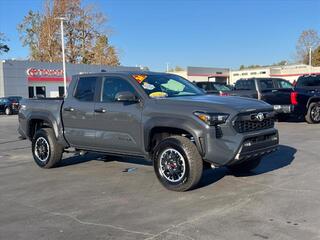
{"x":63,"y":55}
{"x":310,"y":59}
{"x":167,"y":66}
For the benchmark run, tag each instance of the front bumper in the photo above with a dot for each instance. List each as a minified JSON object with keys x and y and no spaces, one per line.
{"x":240,"y":147}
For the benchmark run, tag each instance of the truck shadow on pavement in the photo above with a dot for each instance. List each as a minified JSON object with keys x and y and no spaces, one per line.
{"x":276,"y":160}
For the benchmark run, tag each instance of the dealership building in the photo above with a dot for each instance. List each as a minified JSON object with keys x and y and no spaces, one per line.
{"x":30,"y":78}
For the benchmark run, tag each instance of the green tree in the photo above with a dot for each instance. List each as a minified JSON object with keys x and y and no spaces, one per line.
{"x":3,"y":46}
{"x":103,"y":53}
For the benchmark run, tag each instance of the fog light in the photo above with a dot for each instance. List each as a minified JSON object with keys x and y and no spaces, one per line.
{"x":274,"y":138}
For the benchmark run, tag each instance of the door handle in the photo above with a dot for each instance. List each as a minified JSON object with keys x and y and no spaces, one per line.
{"x":100,"y":110}
{"x":69,"y":109}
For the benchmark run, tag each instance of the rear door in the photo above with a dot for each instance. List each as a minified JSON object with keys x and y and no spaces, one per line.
{"x":118,"y":124}
{"x":78,"y":113}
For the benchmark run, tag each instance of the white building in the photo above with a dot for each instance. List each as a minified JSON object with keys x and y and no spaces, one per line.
{"x":288,"y":72}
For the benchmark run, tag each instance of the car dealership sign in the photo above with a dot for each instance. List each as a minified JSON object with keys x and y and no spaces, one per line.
{"x":36,"y":74}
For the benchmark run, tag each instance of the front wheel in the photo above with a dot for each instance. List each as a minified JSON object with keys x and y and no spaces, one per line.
{"x":177,"y":163}
{"x":45,"y":149}
{"x":313,"y":114}
{"x":8,"y":111}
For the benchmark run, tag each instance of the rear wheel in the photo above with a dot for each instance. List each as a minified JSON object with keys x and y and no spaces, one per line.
{"x":45,"y":149}
{"x":8,"y":111}
{"x":246,"y":166}
{"x":313,"y":114}
{"x":177,"y":163}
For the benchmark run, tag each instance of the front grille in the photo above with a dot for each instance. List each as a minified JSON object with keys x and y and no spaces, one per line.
{"x":248,"y":123}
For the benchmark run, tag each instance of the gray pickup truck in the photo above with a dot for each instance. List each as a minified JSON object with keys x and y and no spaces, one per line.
{"x":158,"y":116}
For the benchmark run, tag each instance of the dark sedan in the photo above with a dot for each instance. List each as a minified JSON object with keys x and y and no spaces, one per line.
{"x":9,"y":105}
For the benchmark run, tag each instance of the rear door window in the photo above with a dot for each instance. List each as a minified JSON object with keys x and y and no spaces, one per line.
{"x":86,"y":88}
{"x":245,"y":85}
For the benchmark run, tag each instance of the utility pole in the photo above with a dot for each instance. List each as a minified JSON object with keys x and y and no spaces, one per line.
{"x":310,"y":59}
{"x":63,"y":55}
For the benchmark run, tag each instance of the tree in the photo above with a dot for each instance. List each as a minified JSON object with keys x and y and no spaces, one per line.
{"x":3,"y":46}
{"x":103,"y":53}
{"x":308,"y":39}
{"x":316,"y":57}
{"x":83,"y":30}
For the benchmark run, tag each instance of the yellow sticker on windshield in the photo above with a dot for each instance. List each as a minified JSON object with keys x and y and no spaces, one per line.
{"x":158,"y":94}
{"x":139,"y":78}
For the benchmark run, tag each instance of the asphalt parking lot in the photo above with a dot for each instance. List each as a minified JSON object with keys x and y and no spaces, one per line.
{"x":94,"y":197}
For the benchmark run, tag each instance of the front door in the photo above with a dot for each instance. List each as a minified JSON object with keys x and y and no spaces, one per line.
{"x":118,"y":124}
{"x":78,"y":114}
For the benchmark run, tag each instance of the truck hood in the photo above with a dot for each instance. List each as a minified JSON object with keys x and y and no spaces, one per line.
{"x":218,"y":103}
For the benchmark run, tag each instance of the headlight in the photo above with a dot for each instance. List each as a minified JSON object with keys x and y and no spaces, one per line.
{"x":212,"y":119}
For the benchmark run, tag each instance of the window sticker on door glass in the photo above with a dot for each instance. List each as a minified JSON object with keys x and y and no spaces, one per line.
{"x":148,"y":86}
{"x":158,"y":95}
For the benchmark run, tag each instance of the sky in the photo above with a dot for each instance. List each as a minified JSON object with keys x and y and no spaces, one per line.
{"x":185,"y":33}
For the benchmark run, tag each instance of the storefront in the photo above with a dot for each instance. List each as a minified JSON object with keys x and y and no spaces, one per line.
{"x":30,"y":79}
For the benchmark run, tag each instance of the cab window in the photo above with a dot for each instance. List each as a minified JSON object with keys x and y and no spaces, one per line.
{"x":112,"y":86}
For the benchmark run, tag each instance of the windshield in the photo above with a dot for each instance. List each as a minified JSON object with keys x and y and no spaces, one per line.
{"x":160,"y":86}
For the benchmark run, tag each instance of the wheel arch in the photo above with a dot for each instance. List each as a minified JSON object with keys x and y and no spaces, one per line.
{"x":312,"y":100}
{"x":158,"y":132}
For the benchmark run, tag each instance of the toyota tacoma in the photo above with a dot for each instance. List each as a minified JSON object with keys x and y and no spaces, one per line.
{"x":158,"y":116}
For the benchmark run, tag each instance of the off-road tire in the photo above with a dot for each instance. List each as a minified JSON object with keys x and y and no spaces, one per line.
{"x":55,"y":150}
{"x":245,"y":166}
{"x":192,"y":159}
{"x":309,"y":118}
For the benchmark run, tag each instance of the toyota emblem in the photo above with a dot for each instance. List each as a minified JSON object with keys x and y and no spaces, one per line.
{"x":260,"y":117}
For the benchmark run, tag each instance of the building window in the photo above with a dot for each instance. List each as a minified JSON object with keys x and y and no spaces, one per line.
{"x":41,"y":92}
{"x":243,"y":74}
{"x":31,"y":92}
{"x":218,"y":72}
{"x":61,"y":91}
{"x":253,"y":73}
{"x":236,"y":74}
{"x":263,"y":72}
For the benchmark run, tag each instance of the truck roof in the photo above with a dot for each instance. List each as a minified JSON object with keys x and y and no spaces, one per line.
{"x":127,"y":73}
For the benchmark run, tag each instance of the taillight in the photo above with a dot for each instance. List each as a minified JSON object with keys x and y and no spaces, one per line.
{"x":224,"y":93}
{"x":294,"y":100}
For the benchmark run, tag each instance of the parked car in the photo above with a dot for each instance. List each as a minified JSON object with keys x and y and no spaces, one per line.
{"x":275,"y":91}
{"x":306,"y":98}
{"x":157,"y":116}
{"x":9,"y":105}
{"x":214,"y":88}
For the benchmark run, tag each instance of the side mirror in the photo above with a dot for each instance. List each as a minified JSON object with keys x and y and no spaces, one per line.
{"x":126,"y":97}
